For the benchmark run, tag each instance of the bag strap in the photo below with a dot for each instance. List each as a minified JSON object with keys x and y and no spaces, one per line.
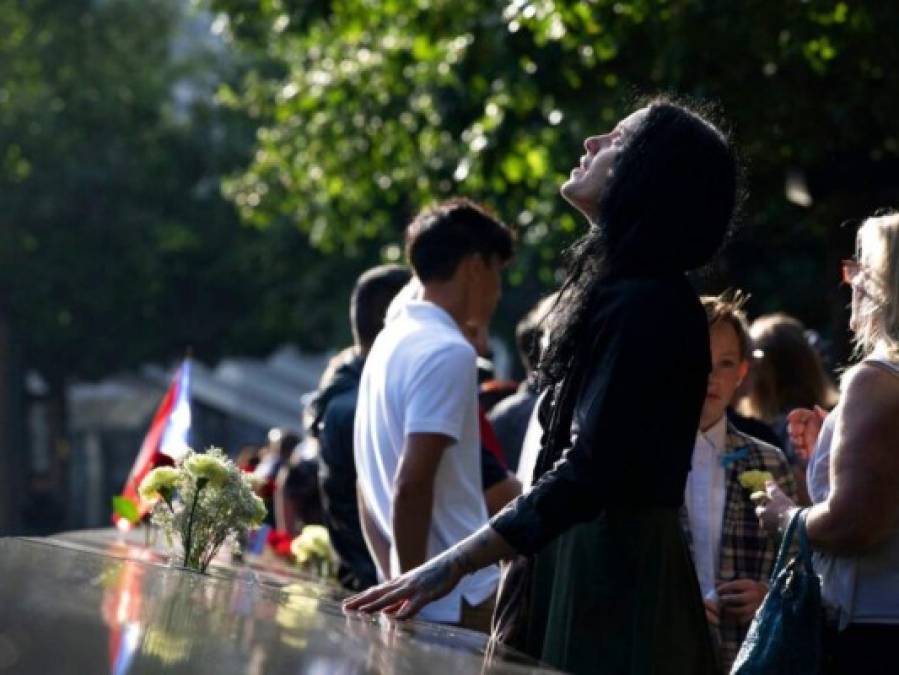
{"x":805,"y":549}
{"x":796,"y":524}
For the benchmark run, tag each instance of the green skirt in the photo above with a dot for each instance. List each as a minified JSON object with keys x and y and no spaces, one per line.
{"x":619,"y":596}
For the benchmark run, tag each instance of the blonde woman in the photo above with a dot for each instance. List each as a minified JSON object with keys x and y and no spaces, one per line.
{"x":853,"y":476}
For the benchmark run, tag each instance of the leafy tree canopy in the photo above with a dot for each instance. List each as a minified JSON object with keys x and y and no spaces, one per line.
{"x":116,"y":245}
{"x":367,"y":109}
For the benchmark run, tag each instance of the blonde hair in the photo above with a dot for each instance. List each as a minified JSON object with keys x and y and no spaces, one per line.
{"x":875,"y":320}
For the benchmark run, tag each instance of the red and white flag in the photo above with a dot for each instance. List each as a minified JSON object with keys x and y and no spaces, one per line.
{"x":167,"y":439}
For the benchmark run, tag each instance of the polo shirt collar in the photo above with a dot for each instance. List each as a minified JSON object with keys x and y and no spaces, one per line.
{"x":424,"y":309}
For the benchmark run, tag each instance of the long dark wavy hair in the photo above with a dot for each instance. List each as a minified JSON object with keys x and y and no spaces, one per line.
{"x":666,"y":207}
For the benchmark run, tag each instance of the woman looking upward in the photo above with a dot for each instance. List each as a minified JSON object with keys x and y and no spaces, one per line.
{"x":612,"y":588}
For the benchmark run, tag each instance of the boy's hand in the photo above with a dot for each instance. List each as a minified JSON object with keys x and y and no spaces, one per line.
{"x":741,"y":598}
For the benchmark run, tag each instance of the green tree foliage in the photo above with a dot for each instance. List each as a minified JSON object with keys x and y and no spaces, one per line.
{"x":116,"y":245}
{"x":368,"y":109}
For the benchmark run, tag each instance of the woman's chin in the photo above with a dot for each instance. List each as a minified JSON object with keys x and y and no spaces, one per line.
{"x":573,"y":188}
{"x":568,"y":193}
{"x":575,"y":199}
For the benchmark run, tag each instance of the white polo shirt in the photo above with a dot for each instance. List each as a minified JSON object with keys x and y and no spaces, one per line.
{"x":420,"y":377}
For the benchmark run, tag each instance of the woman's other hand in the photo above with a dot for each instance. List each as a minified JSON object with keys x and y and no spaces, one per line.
{"x":773,"y":508}
{"x":803,"y":426}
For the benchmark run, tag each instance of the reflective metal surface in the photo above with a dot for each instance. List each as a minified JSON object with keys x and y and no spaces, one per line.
{"x":86,"y":603}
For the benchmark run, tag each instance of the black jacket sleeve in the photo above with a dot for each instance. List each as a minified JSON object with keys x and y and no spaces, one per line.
{"x":635,"y":419}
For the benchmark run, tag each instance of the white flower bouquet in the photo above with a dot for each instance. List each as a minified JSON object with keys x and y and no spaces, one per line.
{"x":203,"y":500}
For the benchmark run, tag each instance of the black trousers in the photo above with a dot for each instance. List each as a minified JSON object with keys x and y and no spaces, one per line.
{"x":862,"y":649}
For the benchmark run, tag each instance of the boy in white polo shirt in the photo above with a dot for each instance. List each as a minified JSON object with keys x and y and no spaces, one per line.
{"x":417,"y":443}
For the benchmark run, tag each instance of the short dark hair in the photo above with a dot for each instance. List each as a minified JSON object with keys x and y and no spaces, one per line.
{"x":371,"y":297}
{"x":441,"y":236}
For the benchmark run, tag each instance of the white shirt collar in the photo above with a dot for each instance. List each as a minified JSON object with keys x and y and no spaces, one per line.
{"x":409,"y":302}
{"x":411,"y":291}
{"x":424,"y":309}
{"x":716,"y":435}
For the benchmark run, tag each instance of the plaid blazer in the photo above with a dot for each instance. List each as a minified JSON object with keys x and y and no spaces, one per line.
{"x":747,"y":551}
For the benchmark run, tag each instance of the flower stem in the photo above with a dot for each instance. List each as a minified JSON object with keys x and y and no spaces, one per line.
{"x":201,"y":483}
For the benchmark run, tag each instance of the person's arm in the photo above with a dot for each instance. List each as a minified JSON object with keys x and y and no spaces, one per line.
{"x":864,"y":470}
{"x":500,"y":485}
{"x":285,"y":509}
{"x":377,"y":543}
{"x":441,"y":400}
{"x":413,"y":496}
{"x":501,"y":493}
{"x":627,"y":367}
{"x":404,"y":596}
{"x":573,"y":490}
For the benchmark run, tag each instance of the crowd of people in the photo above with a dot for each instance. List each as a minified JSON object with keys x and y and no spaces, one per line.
{"x":612,"y":482}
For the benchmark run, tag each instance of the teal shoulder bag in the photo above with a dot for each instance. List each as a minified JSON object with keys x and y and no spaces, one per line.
{"x":785,"y":635}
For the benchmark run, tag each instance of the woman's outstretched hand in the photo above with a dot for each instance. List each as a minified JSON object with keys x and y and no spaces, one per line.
{"x":405,"y":595}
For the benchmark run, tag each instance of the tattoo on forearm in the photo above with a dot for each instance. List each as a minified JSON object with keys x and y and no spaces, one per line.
{"x":472,"y":555}
{"x":461,"y":560}
{"x":439,"y":576}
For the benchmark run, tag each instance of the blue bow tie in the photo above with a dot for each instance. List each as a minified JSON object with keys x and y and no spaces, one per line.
{"x":729,"y":458}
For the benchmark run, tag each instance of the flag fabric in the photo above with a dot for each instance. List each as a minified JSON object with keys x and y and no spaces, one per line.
{"x":167,"y":439}
{"x":175,"y":437}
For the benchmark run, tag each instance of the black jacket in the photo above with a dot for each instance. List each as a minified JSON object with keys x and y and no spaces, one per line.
{"x":333,"y":412}
{"x":636,"y":412}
